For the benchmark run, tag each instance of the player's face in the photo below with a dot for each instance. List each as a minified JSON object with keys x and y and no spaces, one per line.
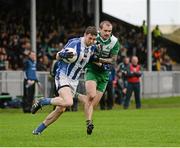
{"x":89,"y":39}
{"x":106,"y":31}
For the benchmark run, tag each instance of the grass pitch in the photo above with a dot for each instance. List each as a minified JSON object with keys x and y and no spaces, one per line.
{"x":156,"y":124}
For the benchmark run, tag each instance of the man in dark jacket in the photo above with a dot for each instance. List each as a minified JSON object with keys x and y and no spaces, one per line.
{"x":30,"y":79}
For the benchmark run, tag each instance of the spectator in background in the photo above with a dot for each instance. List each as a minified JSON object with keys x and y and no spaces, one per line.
{"x":161,"y":60}
{"x":167,"y":63}
{"x":42,"y":63}
{"x":108,"y":96}
{"x":133,"y":77}
{"x":144,"y":28}
{"x":156,"y":34}
{"x":30,"y":79}
{"x":15,"y":52}
{"x":122,"y":86}
{"x":4,"y":64}
{"x":156,"y":65}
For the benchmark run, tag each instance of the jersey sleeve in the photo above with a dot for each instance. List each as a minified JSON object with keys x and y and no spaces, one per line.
{"x":115,"y":49}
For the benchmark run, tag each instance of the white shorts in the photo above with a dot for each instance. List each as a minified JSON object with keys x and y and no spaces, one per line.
{"x":64,"y":80}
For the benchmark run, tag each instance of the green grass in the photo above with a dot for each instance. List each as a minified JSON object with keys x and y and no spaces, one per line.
{"x":156,"y":124}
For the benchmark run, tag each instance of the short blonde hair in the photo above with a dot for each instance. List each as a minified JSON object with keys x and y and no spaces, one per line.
{"x":108,"y":23}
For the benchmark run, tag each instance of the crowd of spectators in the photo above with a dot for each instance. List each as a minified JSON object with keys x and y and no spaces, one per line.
{"x":52,"y":33}
{"x":134,"y":42}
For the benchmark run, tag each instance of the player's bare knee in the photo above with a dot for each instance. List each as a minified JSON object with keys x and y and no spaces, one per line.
{"x":69,"y":103}
{"x":91,"y":95}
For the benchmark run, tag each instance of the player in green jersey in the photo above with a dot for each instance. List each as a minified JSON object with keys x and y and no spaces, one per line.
{"x":97,"y":71}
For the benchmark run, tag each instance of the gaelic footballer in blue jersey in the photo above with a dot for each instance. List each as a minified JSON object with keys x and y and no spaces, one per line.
{"x":67,"y":76}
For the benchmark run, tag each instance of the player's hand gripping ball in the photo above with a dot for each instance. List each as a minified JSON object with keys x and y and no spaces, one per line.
{"x":69,"y":55}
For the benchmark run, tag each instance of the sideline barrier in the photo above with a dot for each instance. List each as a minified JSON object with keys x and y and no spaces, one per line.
{"x":153,"y":84}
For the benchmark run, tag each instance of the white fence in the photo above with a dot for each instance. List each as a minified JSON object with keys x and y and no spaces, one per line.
{"x":12,"y":82}
{"x":154,"y":84}
{"x":160,"y":84}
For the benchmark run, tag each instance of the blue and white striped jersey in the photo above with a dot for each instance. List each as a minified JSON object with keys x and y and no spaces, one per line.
{"x":73,"y":70}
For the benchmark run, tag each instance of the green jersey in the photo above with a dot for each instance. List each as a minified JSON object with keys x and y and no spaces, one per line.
{"x":110,"y":47}
{"x":95,"y":73}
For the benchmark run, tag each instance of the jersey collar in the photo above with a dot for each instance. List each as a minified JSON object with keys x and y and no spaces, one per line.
{"x":105,"y":42}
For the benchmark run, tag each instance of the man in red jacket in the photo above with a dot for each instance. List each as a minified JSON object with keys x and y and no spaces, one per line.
{"x":133,"y":76}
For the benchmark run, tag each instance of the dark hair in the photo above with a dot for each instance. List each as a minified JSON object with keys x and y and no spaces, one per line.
{"x":108,"y":23}
{"x":91,"y":30}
